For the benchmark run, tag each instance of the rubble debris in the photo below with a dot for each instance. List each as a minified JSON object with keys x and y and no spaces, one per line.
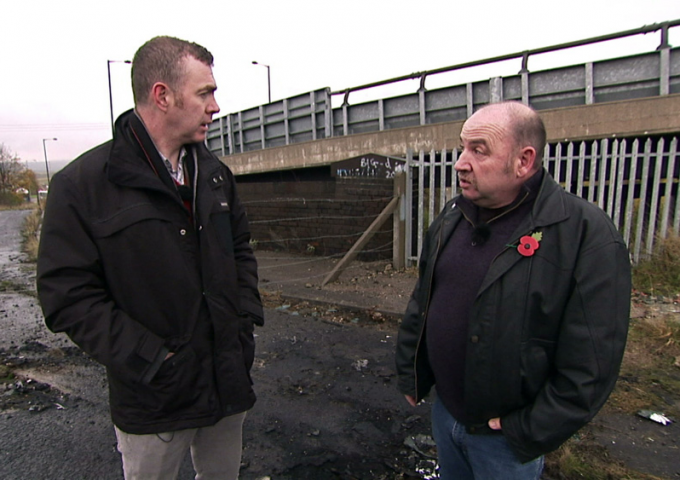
{"x":422,"y":444}
{"x":359,"y":365}
{"x":655,"y":417}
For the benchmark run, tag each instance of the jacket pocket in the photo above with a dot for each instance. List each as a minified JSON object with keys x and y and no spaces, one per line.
{"x":535,"y":366}
{"x":131,"y":215}
{"x":179,"y":384}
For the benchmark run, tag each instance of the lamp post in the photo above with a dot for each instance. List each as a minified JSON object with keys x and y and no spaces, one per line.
{"x":47,"y":166}
{"x":108,"y":68}
{"x":269,"y":81}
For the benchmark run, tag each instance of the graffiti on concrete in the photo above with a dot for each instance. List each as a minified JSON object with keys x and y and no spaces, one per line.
{"x":370,"y":165}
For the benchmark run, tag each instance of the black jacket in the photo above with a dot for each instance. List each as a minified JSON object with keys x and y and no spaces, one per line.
{"x":129,"y":275}
{"x":546,"y":333}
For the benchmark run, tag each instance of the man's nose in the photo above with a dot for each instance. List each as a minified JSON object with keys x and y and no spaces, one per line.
{"x":213,"y":107}
{"x":462,"y":164}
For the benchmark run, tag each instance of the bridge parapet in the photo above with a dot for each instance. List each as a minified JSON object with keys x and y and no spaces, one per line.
{"x":310,"y":116}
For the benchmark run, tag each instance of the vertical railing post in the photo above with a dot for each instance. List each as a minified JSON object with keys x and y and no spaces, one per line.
{"x":262,"y":130}
{"x":630,"y":197}
{"x":312,"y":107}
{"x":230,"y":132}
{"x":421,"y":101}
{"x":642,"y":201}
{"x":524,"y":76}
{"x":408,"y":204}
{"x":240,"y":132}
{"x":654,"y":201}
{"x":286,"y":121}
{"x":399,"y":223}
{"x":328,"y":112}
{"x":469,"y":99}
{"x":664,"y":49}
{"x":590,"y":85}
{"x":496,"y":90}
{"x":421,"y":201}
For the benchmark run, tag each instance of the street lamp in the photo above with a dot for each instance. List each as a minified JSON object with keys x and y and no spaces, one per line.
{"x":108,"y":68}
{"x":47,"y":167}
{"x":269,"y":81}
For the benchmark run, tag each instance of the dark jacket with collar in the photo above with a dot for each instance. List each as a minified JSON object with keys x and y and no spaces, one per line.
{"x":546,"y":333}
{"x":129,"y":275}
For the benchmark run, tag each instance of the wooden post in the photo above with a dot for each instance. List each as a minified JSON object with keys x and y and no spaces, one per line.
{"x":363,"y":240}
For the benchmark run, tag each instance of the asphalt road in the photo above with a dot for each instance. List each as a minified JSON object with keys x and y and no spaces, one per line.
{"x":76,"y":442}
{"x":327,"y":408}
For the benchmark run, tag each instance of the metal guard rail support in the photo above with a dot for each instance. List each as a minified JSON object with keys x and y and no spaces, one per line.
{"x":664,"y":27}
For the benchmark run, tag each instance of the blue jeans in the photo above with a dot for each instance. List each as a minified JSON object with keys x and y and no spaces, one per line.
{"x":483,"y":457}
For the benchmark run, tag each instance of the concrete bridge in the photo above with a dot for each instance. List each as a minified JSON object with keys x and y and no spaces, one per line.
{"x":622,"y":97}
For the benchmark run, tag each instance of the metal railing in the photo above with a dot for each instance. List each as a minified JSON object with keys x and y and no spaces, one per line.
{"x":296,"y":119}
{"x":635,"y":181}
{"x":310,"y":116}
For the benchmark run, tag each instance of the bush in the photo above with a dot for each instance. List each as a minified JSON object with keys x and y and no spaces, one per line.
{"x":660,"y":274}
{"x":11,"y":199}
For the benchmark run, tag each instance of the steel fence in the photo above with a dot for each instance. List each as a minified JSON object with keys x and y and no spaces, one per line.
{"x":635,"y":181}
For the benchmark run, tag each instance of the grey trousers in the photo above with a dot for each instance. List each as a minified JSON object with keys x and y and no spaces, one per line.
{"x":215,"y":451}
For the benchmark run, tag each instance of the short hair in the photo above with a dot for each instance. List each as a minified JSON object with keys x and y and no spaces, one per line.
{"x":160,"y":60}
{"x":527,"y":129}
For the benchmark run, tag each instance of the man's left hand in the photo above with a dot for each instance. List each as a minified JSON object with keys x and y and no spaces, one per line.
{"x":495,"y":424}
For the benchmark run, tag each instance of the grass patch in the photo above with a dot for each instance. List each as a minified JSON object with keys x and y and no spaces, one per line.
{"x":21,"y":206}
{"x":649,"y":380}
{"x":650,"y":374}
{"x":660,"y":274}
{"x":30,"y":232}
{"x":578,"y":459}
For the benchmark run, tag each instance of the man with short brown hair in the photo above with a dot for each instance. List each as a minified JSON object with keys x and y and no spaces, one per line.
{"x":520,"y":314}
{"x":145,"y":263}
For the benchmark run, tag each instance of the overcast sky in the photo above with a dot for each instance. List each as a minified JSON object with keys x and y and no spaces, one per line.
{"x":53,"y":53}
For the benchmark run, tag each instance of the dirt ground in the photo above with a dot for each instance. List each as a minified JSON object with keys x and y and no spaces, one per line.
{"x":327,"y":405}
{"x":616,"y":435}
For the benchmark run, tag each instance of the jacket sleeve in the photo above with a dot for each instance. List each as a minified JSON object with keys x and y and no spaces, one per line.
{"x":73,"y":294}
{"x":246,"y":264}
{"x":407,"y":344}
{"x":413,"y":372}
{"x":591,"y":343}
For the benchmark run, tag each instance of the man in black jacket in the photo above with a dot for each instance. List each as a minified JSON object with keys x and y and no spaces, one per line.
{"x":145,"y":263}
{"x":520,"y":314}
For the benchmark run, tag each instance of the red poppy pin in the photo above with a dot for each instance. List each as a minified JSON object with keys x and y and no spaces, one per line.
{"x":528,"y":244}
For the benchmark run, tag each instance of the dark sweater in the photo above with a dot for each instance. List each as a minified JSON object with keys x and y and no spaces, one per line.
{"x":461,"y":266}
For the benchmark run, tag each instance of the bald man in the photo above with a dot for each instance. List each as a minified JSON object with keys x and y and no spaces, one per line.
{"x":520,"y":314}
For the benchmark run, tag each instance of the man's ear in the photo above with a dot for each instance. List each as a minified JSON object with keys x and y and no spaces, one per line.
{"x":526,"y":159}
{"x":160,"y":95}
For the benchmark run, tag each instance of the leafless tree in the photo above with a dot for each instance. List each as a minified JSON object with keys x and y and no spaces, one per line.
{"x":10,"y":169}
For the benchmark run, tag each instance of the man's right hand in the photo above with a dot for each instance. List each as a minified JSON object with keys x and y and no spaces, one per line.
{"x":411,"y":400}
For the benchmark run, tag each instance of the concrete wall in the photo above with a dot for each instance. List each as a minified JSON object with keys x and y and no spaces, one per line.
{"x":324,"y":217}
{"x":630,"y":117}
